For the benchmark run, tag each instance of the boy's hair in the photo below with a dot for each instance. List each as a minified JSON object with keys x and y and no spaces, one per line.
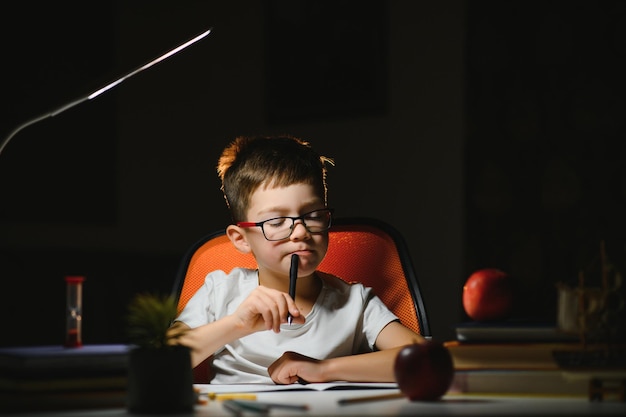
{"x":268,"y":161}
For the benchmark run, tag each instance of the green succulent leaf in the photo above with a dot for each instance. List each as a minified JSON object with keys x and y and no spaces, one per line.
{"x":149,"y":317}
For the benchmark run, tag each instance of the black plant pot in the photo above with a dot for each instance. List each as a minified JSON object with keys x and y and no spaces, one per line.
{"x":160,"y":381}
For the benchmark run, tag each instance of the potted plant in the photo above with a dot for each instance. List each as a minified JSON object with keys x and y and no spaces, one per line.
{"x":160,"y":378}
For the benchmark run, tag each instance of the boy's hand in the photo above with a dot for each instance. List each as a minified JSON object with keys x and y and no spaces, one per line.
{"x":266,"y":309}
{"x":176,"y":332}
{"x":293,"y":367}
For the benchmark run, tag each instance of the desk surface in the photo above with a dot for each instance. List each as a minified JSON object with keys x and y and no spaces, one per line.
{"x":325,"y":403}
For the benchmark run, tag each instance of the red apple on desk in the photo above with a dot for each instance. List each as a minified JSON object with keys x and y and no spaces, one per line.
{"x":424,"y":371}
{"x":488,"y":295}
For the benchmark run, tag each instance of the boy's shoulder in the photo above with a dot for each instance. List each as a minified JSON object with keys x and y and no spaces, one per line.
{"x":219,"y":276}
{"x":336,"y":282}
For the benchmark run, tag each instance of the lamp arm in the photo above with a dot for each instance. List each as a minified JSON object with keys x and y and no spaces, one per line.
{"x":107,"y":87}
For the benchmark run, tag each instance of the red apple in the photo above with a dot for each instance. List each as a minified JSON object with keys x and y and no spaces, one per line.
{"x":424,"y":371}
{"x":488,"y":295}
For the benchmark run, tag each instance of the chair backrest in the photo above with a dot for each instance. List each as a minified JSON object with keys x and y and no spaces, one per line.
{"x":362,"y":250}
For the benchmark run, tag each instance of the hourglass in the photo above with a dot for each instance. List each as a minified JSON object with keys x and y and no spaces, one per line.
{"x":74,"y":311}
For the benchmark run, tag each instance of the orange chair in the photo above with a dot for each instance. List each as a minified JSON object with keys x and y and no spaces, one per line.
{"x":363,"y":250}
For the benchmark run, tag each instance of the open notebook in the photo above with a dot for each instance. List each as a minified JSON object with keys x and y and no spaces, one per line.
{"x":245,"y":388}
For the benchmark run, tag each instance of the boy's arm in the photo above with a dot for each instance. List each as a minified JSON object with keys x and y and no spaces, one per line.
{"x":263,"y":309}
{"x":375,"y":366}
{"x":205,"y":340}
{"x":367,"y":367}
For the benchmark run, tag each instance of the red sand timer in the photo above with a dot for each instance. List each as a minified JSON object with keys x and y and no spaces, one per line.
{"x":74,"y":312}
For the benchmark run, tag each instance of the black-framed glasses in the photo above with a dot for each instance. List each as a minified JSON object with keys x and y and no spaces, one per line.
{"x":280,"y":228}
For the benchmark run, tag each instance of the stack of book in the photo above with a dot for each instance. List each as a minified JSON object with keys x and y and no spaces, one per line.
{"x":34,"y":378}
{"x":530,"y":360}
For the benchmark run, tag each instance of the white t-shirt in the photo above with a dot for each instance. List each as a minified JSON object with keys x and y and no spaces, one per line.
{"x":345,"y":319}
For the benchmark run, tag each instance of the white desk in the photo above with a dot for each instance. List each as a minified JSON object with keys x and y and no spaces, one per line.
{"x":324,"y":403}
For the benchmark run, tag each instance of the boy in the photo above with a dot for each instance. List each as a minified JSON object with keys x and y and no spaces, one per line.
{"x":275,"y":188}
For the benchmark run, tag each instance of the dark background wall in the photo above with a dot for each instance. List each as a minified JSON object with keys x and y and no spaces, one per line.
{"x":490,"y":134}
{"x":546,"y":148}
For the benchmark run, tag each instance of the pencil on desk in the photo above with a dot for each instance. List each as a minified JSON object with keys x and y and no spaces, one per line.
{"x":231,"y":406}
{"x":231,"y":396}
{"x":260,"y":406}
{"x":264,"y":405}
{"x":368,"y":398}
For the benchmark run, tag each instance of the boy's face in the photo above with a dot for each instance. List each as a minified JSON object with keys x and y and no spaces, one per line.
{"x":274,"y":257}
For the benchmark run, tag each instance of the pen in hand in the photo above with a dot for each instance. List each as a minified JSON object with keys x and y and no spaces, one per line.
{"x":293,"y":276}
